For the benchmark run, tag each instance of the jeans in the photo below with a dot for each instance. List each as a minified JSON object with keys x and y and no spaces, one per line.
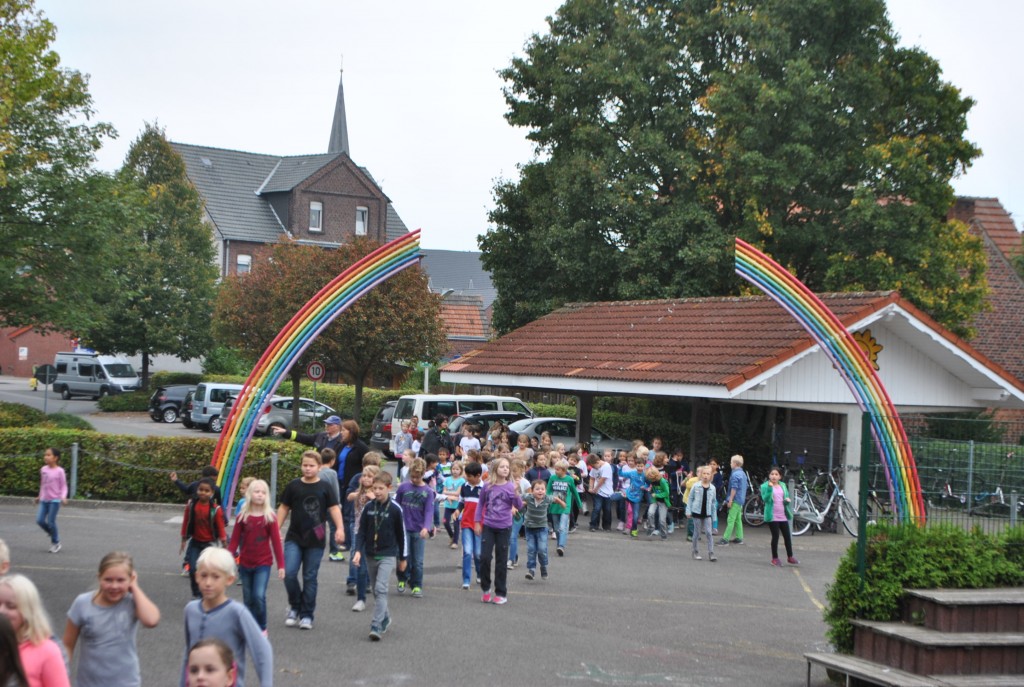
{"x":601,"y":511}
{"x":302,"y":598}
{"x":254,"y":591}
{"x":192,"y":555}
{"x":362,"y":579}
{"x":657,"y":515}
{"x":47,"y":519}
{"x":450,"y":528}
{"x":634,"y":520}
{"x":536,"y":547}
{"x":775,"y":527}
{"x":562,"y":529}
{"x":735,"y":521}
{"x":380,"y":576}
{"x":703,"y":525}
{"x":413,"y":575}
{"x":494,"y":545}
{"x":470,"y":554}
{"x":513,"y":544}
{"x":620,"y":506}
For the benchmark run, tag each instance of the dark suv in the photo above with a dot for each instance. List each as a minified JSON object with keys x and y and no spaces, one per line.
{"x":165,"y":403}
{"x":380,"y":430}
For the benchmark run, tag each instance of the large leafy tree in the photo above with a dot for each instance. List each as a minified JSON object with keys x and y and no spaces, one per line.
{"x":165,"y":274}
{"x":55,"y":217}
{"x":665,"y":128}
{"x":398,"y":321}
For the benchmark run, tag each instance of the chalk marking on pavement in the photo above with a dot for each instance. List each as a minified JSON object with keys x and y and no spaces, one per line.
{"x":807,"y":588}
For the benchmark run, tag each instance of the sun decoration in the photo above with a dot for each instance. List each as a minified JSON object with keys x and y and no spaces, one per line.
{"x":870,"y":345}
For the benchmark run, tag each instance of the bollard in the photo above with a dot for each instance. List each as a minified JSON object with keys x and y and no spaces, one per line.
{"x":273,"y":479}
{"x":73,"y":488}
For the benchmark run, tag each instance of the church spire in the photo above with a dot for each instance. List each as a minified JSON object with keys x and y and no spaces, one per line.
{"x":339,"y":127}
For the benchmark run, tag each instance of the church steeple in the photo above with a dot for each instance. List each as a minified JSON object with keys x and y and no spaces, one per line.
{"x":339,"y":127}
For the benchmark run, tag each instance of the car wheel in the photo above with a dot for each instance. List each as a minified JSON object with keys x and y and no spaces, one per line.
{"x":154,"y":418}
{"x":170,"y":415}
{"x":104,"y":392}
{"x":65,"y":393}
{"x":215,"y":425}
{"x":187,"y":424}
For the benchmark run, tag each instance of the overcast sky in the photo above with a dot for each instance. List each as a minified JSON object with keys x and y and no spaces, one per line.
{"x":424,"y":103}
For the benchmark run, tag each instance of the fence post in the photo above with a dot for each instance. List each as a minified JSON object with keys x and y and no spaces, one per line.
{"x":970,"y":477}
{"x":273,"y":479}
{"x":73,"y":489}
{"x":1014,"y":501}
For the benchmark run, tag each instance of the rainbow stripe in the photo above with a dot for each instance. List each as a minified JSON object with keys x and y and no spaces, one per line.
{"x":292,"y":341}
{"x":853,"y":365}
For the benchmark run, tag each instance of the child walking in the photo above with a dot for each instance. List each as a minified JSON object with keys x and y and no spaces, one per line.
{"x":450,"y":494}
{"x":202,"y":527}
{"x":522,"y":487}
{"x":53,"y":491}
{"x":563,"y":487}
{"x":359,"y":498}
{"x":215,"y":615}
{"x":416,"y":499}
{"x":493,"y":524}
{"x":40,"y":656}
{"x":256,"y":542}
{"x":657,"y":514}
{"x":107,"y":621}
{"x":469,"y":500}
{"x":778,"y":513}
{"x":211,"y":663}
{"x":381,"y":541}
{"x":701,"y":507}
{"x":536,"y":522}
{"x":735,"y":498}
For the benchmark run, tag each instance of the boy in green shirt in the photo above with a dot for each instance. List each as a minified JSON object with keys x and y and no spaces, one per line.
{"x":657,"y":516}
{"x":562,"y":486}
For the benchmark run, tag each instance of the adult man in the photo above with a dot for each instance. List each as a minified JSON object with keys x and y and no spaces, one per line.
{"x":329,"y":438}
{"x":437,"y":436}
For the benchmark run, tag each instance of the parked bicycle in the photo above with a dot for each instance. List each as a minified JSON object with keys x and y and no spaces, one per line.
{"x":994,"y":503}
{"x":806,"y":512}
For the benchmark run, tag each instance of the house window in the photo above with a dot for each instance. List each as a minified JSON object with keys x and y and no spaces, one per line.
{"x":243,"y":263}
{"x":362,"y":219}
{"x":316,"y":216}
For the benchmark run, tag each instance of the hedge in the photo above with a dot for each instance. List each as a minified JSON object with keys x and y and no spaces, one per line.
{"x":900,"y":557}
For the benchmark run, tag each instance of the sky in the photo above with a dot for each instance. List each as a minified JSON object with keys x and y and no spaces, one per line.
{"x":423,"y":98}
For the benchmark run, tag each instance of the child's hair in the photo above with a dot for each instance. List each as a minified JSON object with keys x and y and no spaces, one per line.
{"x":443,"y":450}
{"x":660,"y":458}
{"x":485,"y":455}
{"x":209,"y":471}
{"x":541,"y":456}
{"x":492,"y":475}
{"x":314,"y":455}
{"x":5,"y":554}
{"x":406,"y":424}
{"x":474,"y":469}
{"x":219,"y":559}
{"x":473,"y":455}
{"x":249,"y":508}
{"x":117,"y":558}
{"x":737,"y":460}
{"x":593,"y":459}
{"x":431,"y":459}
{"x":382,"y":477}
{"x":538,"y":481}
{"x":227,"y":656}
{"x":457,"y":465}
{"x":372,"y":458}
{"x":652,"y":474}
{"x":518,"y":467}
{"x":562,"y":464}
{"x":11,"y":672}
{"x":55,"y":452}
{"x":371,"y":470}
{"x":327,"y":456}
{"x":408,"y":455}
{"x":417,"y":467}
{"x":243,"y":486}
{"x":35,"y":625}
{"x":208,"y":481}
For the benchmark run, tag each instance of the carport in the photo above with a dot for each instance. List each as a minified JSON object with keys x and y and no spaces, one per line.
{"x":740,"y":350}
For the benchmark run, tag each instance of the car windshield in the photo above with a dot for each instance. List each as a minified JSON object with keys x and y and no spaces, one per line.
{"x":120,"y":370}
{"x":520,"y":425}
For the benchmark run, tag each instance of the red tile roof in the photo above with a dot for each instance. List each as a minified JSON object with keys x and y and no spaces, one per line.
{"x":993,"y":219}
{"x":464,"y":316}
{"x":714,"y":341}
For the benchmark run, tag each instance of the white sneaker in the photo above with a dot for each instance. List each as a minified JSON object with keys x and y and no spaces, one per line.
{"x":621,"y":526}
{"x":359,"y":606}
{"x":55,"y":548}
{"x":292,"y":619}
{"x":306,"y":624}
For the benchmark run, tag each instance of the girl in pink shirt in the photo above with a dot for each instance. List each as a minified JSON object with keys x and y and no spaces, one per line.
{"x":40,"y":656}
{"x":53,"y":491}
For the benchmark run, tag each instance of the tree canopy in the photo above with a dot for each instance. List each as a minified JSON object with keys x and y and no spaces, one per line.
{"x":398,"y":321}
{"x":666,"y":128}
{"x":54,"y":215}
{"x":164,"y":274}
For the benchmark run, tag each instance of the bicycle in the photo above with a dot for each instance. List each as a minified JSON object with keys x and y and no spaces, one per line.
{"x":807,"y":513}
{"x":753,"y":507}
{"x":994,"y":503}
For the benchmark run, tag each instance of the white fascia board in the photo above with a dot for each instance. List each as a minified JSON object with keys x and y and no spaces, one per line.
{"x":586,"y":385}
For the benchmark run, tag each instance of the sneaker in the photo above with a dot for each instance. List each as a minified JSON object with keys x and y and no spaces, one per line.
{"x":486,"y":598}
{"x":621,"y":526}
{"x":529,"y":574}
{"x":776,"y":562}
{"x":554,"y":536}
{"x":593,"y":529}
{"x":465,"y":587}
{"x":342,"y":547}
{"x":55,"y":548}
{"x":359,"y":606}
{"x":543,"y":573}
{"x":417,"y":593}
{"x":292,"y":618}
{"x":184,"y":570}
{"x":634,"y":534}
{"x":510,"y":565}
{"x":625,"y":531}
{"x":713,"y":558}
{"x":696,"y":556}
{"x":671,"y":528}
{"x":453,"y":545}
{"x":350,"y":589}
{"x":654,"y":533}
{"x":375,"y":634}
{"x":433,"y":533}
{"x":737,"y":541}
{"x":715,"y":532}
{"x":722,"y":542}
{"x":265,"y":633}
{"x":572,"y":530}
{"x":306,"y":624}
{"x":499,"y":601}
{"x":386,"y":625}
{"x":664,"y":536}
{"x":792,"y":561}
{"x":561,"y":551}
{"x":337,"y":557}
{"x":401,"y":587}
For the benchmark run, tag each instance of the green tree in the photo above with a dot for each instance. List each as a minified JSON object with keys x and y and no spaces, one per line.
{"x":664,"y":129}
{"x":54,"y":215}
{"x":396,"y":322}
{"x":165,"y":275}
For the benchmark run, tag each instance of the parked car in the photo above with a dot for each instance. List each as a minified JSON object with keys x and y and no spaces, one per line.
{"x":427,"y":406}
{"x":165,"y":405}
{"x":207,"y":401}
{"x":90,"y":374}
{"x":380,"y":429}
{"x":563,"y":430}
{"x":311,"y":414}
{"x":484,"y":419}
{"x":186,"y":410}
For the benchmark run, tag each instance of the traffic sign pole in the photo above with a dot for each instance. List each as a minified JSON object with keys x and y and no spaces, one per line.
{"x":315,"y":371}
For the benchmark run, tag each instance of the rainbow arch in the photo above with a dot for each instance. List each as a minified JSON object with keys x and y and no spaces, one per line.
{"x":856,"y":370}
{"x":293,"y":340}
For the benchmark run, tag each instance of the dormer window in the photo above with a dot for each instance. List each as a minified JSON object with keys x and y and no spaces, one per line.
{"x":362,"y":219}
{"x":316,"y":216}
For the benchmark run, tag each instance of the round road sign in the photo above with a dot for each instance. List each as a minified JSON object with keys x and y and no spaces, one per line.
{"x":315,"y":371}
{"x":47,"y":374}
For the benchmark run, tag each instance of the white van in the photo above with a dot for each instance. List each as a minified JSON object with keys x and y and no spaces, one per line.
{"x":91,"y":374}
{"x":207,"y":401}
{"x":427,"y":406}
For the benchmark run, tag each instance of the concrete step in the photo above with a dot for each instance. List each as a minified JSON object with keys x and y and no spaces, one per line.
{"x":966,"y":610}
{"x":924,"y":651}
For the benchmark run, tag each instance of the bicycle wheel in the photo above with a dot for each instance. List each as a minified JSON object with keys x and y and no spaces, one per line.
{"x":848,"y":514}
{"x":800,"y":526}
{"x":753,"y":511}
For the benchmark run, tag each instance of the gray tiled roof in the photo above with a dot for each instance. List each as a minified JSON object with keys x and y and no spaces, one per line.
{"x":227,"y":181}
{"x":292,"y":171}
{"x":395,"y":226}
{"x":461,"y":271}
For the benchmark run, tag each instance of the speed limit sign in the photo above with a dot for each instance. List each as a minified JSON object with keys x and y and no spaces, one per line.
{"x":315,"y":371}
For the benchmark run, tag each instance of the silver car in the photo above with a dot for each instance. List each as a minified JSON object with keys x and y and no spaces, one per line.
{"x":563,"y":431}
{"x":311,"y":413}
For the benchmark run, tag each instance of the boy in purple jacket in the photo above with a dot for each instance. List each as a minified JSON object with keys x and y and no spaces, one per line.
{"x":493,"y":524}
{"x":416,"y":499}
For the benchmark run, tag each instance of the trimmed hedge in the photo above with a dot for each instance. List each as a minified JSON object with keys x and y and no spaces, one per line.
{"x":900,"y":557}
{"x":19,"y":415}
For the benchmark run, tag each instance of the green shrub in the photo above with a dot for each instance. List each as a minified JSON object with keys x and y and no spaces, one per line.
{"x":18,"y":415}
{"x":167,"y":378}
{"x":900,"y":557}
{"x":67,"y":421}
{"x":131,"y":402}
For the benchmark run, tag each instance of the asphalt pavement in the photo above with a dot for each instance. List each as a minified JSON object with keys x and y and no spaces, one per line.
{"x":615,"y":611}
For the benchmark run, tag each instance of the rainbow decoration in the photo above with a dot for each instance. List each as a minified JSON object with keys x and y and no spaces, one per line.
{"x":855,"y":368}
{"x":293,"y":340}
